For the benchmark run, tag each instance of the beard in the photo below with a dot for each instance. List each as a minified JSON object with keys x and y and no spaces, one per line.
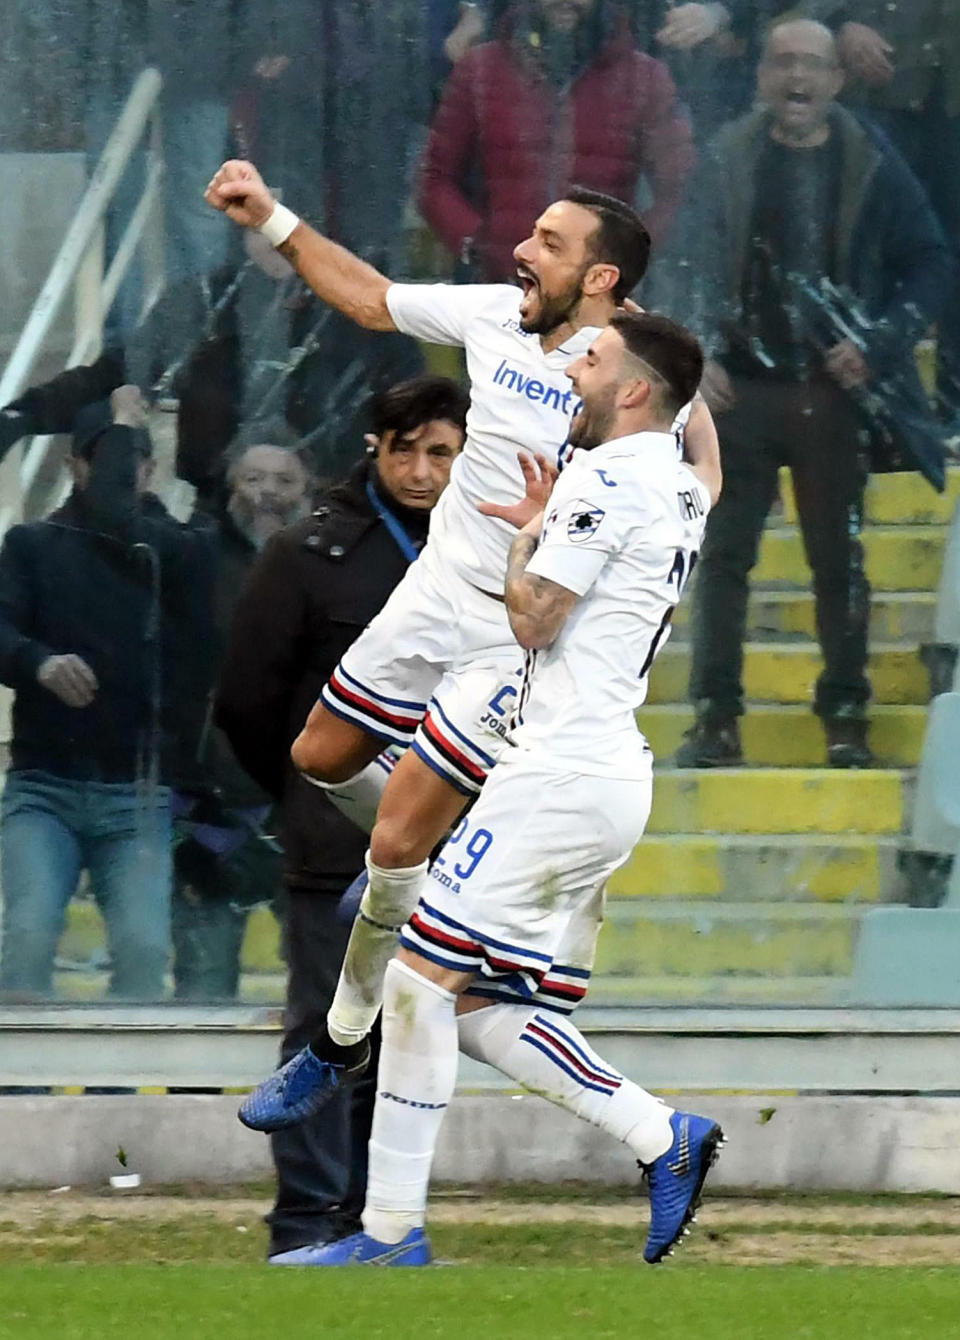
{"x":259,"y":524}
{"x":555,"y":309}
{"x":592,"y":423}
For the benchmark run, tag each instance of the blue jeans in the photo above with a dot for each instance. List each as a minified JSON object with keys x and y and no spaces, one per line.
{"x":52,"y":829}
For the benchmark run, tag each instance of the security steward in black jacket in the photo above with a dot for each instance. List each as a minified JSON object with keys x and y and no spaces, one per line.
{"x":311,"y":592}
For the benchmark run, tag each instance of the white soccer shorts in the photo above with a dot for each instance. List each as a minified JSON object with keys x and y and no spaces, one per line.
{"x":517,"y":893}
{"x":438,"y":669}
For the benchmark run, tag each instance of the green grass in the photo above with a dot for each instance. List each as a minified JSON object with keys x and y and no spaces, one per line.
{"x":182,"y":1271}
{"x":223,"y":1302}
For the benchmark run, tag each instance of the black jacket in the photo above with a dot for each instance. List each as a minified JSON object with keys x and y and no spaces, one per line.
{"x":116,"y":580}
{"x":188,"y":347}
{"x":311,"y":592}
{"x":893,"y":267}
{"x":205,"y":764}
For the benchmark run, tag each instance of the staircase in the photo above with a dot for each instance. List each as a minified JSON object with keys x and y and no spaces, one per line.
{"x":751,"y":881}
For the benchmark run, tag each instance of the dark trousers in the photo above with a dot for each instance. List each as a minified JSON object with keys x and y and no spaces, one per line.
{"x":322,"y":1163}
{"x":814,"y":428}
{"x":212,"y":900}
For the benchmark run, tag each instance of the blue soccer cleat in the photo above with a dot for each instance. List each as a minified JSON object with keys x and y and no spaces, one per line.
{"x":348,"y":904}
{"x":361,"y":1250}
{"x":297,"y":1090}
{"x":676,"y":1179}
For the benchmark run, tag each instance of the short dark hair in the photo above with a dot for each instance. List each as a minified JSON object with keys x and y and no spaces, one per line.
{"x":668,"y":348}
{"x":621,"y":239}
{"x":403,"y":407}
{"x":272,"y":431}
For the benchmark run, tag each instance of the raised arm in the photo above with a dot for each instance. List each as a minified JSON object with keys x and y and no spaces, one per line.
{"x":701,"y":448}
{"x":336,"y":275}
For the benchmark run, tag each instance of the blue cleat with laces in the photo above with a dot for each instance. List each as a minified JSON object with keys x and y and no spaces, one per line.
{"x":676,"y":1179}
{"x":298,"y":1089}
{"x":361,"y":1250}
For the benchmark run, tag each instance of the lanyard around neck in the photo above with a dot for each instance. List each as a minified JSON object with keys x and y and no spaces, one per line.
{"x":393,"y":525}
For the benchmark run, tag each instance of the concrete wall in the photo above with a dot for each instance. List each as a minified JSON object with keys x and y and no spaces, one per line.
{"x":807,"y":1144}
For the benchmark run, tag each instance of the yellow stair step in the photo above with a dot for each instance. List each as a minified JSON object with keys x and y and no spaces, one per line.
{"x":894,"y":499}
{"x":707,"y":940}
{"x":895,"y":616}
{"x":777,"y":800}
{"x":898,"y":558}
{"x":771,"y":868}
{"x":787,"y":735}
{"x":786,"y":672}
{"x":261,"y":942}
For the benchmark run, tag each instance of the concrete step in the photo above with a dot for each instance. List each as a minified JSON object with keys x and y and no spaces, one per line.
{"x":722,"y":989}
{"x":771,"y":868}
{"x":778,"y":800}
{"x":898,"y":558}
{"x":894,"y":500}
{"x":680,"y":939}
{"x":787,"y":735}
{"x":786,"y":672}
{"x":782,"y":616}
{"x":268,"y":989}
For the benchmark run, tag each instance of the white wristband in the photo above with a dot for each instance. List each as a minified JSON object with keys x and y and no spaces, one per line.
{"x":279,"y":226}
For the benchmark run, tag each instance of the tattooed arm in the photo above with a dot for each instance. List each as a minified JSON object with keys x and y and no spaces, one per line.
{"x":537,"y":608}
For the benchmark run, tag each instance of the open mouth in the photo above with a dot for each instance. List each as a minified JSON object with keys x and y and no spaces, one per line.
{"x":797,"y":98}
{"x":527,"y":281}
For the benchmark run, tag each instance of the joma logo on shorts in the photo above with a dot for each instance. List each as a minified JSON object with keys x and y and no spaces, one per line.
{"x":446,"y":880}
{"x":496,"y":724}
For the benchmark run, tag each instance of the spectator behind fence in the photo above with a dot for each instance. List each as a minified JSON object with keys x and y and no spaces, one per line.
{"x":312,"y":591}
{"x":95,"y":604}
{"x":332,"y":122}
{"x":226,"y":856}
{"x":822,"y":264}
{"x":903,"y":68}
{"x":201,"y":51}
{"x":561,"y":95}
{"x":702,"y":46}
{"x":188,"y":348}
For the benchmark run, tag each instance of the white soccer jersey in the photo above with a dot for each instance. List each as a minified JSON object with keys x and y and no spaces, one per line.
{"x":520,"y":398}
{"x":624,"y":524}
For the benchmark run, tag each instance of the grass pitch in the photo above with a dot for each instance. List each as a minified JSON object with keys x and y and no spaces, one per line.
{"x":531,"y":1265}
{"x":476,"y":1302}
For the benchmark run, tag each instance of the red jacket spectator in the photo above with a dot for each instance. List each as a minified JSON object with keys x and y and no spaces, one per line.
{"x":509,"y":137}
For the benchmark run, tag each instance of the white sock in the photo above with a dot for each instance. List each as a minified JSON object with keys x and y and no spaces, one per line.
{"x":359,"y":796}
{"x":387,"y":903}
{"x":544,"y":1052}
{"x":418,"y":1071}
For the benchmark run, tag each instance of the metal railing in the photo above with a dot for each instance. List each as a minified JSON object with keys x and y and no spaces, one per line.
{"x":79,"y":266}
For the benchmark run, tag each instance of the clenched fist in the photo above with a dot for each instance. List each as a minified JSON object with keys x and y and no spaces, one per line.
{"x":238,"y":190}
{"x":130,"y":408}
{"x":69,"y":678}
